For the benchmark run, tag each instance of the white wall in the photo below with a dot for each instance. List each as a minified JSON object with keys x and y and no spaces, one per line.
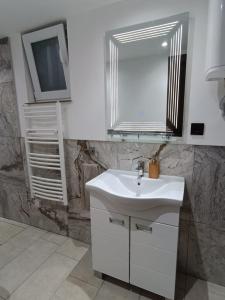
{"x":85,"y":116}
{"x":143,"y":89}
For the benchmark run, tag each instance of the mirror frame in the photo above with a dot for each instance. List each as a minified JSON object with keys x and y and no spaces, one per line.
{"x":174,"y":122}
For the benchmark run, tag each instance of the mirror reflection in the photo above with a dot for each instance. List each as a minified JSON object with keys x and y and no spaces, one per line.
{"x":145,"y":72}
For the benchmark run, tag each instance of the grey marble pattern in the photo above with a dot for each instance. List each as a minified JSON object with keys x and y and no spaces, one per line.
{"x":81,"y":166}
{"x":79,"y":227}
{"x":71,"y":153}
{"x":13,"y":200}
{"x":206,"y":258}
{"x":52,"y":217}
{"x":208,"y":205}
{"x":9,"y":123}
{"x":6,"y":73}
{"x":11,"y":161}
{"x":105,"y":153}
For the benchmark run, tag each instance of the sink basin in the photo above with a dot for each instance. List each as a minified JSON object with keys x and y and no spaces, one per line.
{"x":120,"y":188}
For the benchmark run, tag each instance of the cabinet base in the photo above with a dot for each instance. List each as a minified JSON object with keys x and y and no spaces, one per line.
{"x":126,"y":285}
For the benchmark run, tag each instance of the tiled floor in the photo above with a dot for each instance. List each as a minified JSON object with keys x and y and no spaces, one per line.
{"x":38,"y":265}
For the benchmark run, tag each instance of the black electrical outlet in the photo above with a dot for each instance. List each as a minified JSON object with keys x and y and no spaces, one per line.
{"x":197,"y":128}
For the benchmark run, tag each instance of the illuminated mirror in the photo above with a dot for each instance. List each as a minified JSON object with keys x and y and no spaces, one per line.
{"x":145,"y":77}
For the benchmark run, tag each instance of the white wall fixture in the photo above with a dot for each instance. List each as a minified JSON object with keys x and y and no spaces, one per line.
{"x":45,"y":151}
{"x":47,"y":57}
{"x":215,"y":61}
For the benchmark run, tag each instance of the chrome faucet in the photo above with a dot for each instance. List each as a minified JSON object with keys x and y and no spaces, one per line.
{"x":140,"y":168}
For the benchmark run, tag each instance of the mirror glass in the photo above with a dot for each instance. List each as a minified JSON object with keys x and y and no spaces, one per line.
{"x":145,"y":77}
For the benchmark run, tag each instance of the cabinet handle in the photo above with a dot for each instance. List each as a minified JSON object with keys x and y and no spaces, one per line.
{"x":143,"y":228}
{"x":117,"y":221}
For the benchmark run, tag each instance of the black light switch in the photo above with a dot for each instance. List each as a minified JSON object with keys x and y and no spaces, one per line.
{"x":197,"y":128}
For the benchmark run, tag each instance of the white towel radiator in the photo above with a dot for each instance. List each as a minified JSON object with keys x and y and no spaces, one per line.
{"x":45,"y":151}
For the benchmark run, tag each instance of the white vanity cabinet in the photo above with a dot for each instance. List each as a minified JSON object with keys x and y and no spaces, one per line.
{"x":110,"y":243}
{"x":135,"y":228}
{"x":136,"y":247}
{"x":153,"y":256}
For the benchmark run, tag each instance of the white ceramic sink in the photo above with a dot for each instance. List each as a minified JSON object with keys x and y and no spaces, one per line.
{"x":121,"y":188}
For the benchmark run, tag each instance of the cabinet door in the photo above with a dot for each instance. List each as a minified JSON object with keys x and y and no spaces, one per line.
{"x":110,"y":243}
{"x":153,"y":256}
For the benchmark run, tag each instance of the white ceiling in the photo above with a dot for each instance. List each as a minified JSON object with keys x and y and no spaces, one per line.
{"x":22,"y":15}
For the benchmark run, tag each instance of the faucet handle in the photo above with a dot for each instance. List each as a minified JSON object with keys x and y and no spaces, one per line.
{"x":140,"y":165}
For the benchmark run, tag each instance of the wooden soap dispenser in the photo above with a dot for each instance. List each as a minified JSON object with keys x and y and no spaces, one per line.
{"x":154,"y":164}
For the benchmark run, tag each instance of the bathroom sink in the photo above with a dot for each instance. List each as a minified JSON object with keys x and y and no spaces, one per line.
{"x":121,"y":188}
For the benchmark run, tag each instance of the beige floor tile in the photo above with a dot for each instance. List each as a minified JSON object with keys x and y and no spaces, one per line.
{"x":55,"y":238}
{"x":14,"y":222}
{"x":7,"y":253}
{"x":18,"y":244}
{"x":7,"y":231}
{"x":111,"y":291}
{"x":74,"y":289}
{"x":73,"y":249}
{"x":14,"y":273}
{"x":199,"y":289}
{"x":216,"y":289}
{"x":4,"y":293}
{"x":44,"y":282}
{"x":27,"y":237}
{"x":84,"y":271}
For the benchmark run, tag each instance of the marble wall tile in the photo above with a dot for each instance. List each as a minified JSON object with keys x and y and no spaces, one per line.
{"x":105,"y":153}
{"x":13,"y":200}
{"x":6,"y":73}
{"x":9,"y":122}
{"x":49,"y":216}
{"x":206,"y":259}
{"x":24,"y":159}
{"x":129,"y":152}
{"x":11,"y":160}
{"x":71,"y":153}
{"x":178,"y":160}
{"x":208,"y":201}
{"x":79,"y":227}
{"x":82,"y":165}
